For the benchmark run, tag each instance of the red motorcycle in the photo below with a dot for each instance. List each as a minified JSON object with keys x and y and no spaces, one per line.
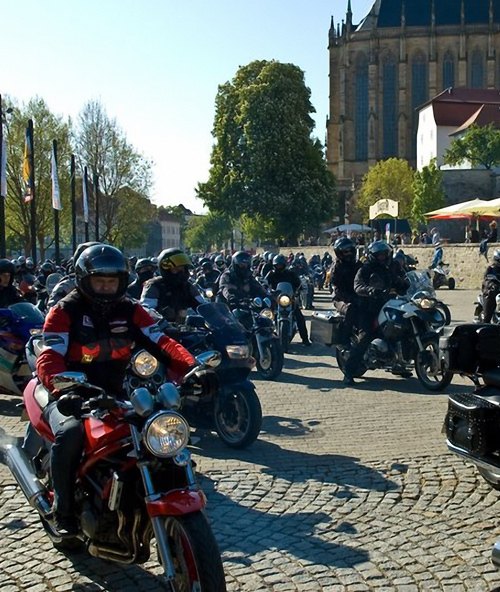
{"x":135,"y":482}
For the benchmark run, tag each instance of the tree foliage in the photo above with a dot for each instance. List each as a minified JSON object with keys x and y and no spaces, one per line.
{"x":388,"y":179}
{"x":207,"y":233}
{"x":479,"y":145}
{"x":265,"y":161}
{"x":429,"y":193}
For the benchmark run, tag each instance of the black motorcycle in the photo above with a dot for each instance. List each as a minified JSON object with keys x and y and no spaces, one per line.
{"x":286,"y":326}
{"x":257,"y":317}
{"x":472,"y":423}
{"x":234,"y":412}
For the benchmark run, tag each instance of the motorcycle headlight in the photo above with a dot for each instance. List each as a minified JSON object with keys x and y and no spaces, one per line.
{"x":267,"y":313}
{"x":284,"y":300}
{"x":425,"y":303}
{"x":209,"y":292}
{"x":144,"y":364}
{"x":166,"y":434}
{"x":238,"y":352}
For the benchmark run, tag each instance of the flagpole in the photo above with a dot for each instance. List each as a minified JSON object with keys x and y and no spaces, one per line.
{"x":73,"y":200}
{"x":56,"y":211}
{"x":96,"y":198}
{"x":31,"y":157}
{"x":2,"y":197}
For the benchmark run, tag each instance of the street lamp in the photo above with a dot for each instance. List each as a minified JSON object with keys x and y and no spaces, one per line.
{"x":349,"y":194}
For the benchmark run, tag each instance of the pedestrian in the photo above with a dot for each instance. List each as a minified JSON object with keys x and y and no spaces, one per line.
{"x":468,"y":233}
{"x":490,"y":237}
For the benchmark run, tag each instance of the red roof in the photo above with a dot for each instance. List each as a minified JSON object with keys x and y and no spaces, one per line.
{"x":461,"y":107}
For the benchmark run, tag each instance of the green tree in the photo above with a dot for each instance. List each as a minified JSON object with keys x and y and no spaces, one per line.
{"x":265,"y":161}
{"x":429,"y":193}
{"x":207,"y":233}
{"x":47,"y":127}
{"x":479,"y":145}
{"x":388,"y":179}
{"x":124,"y":175}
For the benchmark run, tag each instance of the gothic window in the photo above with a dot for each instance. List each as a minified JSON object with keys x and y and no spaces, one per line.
{"x":448,"y":70}
{"x":389,"y":108}
{"x":477,"y":69}
{"x":361,"y":108}
{"x":419,"y":93}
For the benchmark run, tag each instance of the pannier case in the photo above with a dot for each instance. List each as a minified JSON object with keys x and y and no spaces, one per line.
{"x":471,"y":347}
{"x":326,"y":327}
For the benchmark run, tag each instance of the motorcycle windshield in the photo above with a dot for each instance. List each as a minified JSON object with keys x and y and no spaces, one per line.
{"x":220,"y":319}
{"x":420,"y":281}
{"x":285,"y":288}
{"x":28,"y":313}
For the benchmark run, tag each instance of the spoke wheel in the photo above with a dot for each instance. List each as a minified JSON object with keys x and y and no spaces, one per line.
{"x":238,"y":417}
{"x":428,"y":366}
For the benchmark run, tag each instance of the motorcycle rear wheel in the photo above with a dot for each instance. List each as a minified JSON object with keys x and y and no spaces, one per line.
{"x":196,"y":557}
{"x":238,"y":417}
{"x":342,"y":355}
{"x":451,"y":283}
{"x":428,"y":366}
{"x":271,"y":365}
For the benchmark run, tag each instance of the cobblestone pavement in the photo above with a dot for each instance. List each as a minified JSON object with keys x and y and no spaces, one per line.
{"x":346,"y":490}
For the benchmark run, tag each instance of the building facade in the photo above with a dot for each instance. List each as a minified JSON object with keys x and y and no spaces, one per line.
{"x":403,"y":53}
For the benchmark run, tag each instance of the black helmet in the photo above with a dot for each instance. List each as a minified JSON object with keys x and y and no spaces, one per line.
{"x":101,"y":260}
{"x":7,"y":266}
{"x":30,"y":265}
{"x":145,"y":268}
{"x":241,"y":263}
{"x":207,"y":266}
{"x":380,"y":252}
{"x":279,"y":262}
{"x":47,"y":267}
{"x":170,"y":261}
{"x":220,"y":262}
{"x":80,"y":248}
{"x":344,"y":249}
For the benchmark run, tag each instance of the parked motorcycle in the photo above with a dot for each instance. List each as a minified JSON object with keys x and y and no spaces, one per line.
{"x":407,"y":336}
{"x":472,"y":423}
{"x":234,"y":412}
{"x":257,"y":317}
{"x":494,"y":282}
{"x":441,"y":276}
{"x":18,"y":323}
{"x":286,"y":326}
{"x":135,"y":482}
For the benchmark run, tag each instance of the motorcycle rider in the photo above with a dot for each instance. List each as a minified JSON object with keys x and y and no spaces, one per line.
{"x":342,"y":277}
{"x":237,"y":283}
{"x":491,"y":287}
{"x":93,"y":330}
{"x":280,"y":273}
{"x":208,"y":277}
{"x":9,"y":294}
{"x":145,"y":270}
{"x":372,"y":284}
{"x":171,"y":294}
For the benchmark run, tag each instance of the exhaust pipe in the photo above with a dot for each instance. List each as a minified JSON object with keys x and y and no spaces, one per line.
{"x":34,"y":491}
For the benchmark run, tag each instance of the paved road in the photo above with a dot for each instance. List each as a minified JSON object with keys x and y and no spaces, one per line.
{"x":346,"y":490}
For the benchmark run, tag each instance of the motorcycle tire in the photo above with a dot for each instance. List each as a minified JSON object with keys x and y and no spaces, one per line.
{"x":67,"y":545}
{"x":428,"y":366}
{"x":493,"y":479}
{"x":479,"y":314}
{"x":271,"y":366}
{"x":284,"y":335}
{"x":238,"y":417}
{"x":451,"y":283}
{"x":341,"y":353}
{"x":195,"y":554}
{"x":446,"y":312}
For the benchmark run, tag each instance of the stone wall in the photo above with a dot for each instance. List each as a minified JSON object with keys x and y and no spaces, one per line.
{"x":466,"y":265}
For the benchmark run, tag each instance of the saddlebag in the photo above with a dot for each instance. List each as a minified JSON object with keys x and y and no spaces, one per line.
{"x":470,"y":348}
{"x":473,"y":423}
{"x":327,"y":327}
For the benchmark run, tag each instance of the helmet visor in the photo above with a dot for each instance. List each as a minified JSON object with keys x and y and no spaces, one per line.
{"x":177,"y":260}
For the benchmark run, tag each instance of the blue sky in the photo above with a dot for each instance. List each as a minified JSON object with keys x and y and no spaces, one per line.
{"x":155,"y":66}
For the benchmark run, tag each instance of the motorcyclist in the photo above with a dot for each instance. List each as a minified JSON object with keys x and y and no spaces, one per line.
{"x":145,"y":270}
{"x":491,"y":287}
{"x":171,"y":294}
{"x":9,"y":294}
{"x":93,"y":330}
{"x":220,"y":263}
{"x":437,"y":258}
{"x":266,"y":265}
{"x":208,"y":277}
{"x":237,"y":283}
{"x":326,"y":260}
{"x":342,"y":276}
{"x":372,"y":284}
{"x":280,"y":273}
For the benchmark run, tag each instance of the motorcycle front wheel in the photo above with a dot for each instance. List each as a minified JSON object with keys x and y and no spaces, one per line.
{"x":284,"y":334}
{"x":238,"y":417}
{"x":445,"y":310}
{"x":342,"y":355}
{"x":493,"y":479}
{"x":428,"y":366}
{"x":271,"y":364}
{"x":195,"y":555}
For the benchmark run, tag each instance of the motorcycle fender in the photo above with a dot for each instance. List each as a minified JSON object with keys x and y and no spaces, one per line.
{"x":177,"y":503}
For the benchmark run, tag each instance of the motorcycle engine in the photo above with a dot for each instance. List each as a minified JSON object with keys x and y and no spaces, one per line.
{"x":378,"y":352}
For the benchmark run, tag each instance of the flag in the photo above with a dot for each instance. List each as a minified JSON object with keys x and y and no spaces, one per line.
{"x":85,"y":197}
{"x":56,"y":195}
{"x":27,"y":172}
{"x":3,"y":168}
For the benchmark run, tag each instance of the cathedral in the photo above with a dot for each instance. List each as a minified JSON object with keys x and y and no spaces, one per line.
{"x":401,"y":54}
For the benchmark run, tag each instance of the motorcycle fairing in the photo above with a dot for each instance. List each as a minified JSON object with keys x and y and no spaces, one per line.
{"x":177,"y":503}
{"x":35,"y":410}
{"x":100,"y":435}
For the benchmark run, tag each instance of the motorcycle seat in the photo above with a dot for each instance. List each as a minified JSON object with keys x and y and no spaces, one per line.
{"x":492,"y":378}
